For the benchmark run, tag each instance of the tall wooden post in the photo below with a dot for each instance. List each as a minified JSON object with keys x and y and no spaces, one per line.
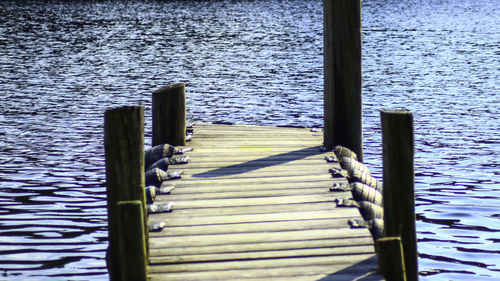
{"x":398,"y":192}
{"x":124,"y":149}
{"x":391,"y":258}
{"x":132,"y":242}
{"x":169,"y":115}
{"x":342,"y":74}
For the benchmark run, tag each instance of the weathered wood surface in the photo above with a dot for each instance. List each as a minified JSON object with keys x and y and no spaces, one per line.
{"x":342,"y":74}
{"x":169,"y":115}
{"x":132,"y":242}
{"x":124,"y":147}
{"x":254,"y":204}
{"x":399,"y":190}
{"x":391,"y":258}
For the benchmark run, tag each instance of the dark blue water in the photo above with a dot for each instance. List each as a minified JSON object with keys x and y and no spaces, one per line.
{"x":62,"y":64}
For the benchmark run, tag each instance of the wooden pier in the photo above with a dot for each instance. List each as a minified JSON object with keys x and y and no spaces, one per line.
{"x":254,"y":203}
{"x":258,"y":203}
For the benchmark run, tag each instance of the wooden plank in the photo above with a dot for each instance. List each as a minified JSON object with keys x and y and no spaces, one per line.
{"x":247,"y":154}
{"x":286,"y":176}
{"x":271,"y":143}
{"x":238,"y":180}
{"x":339,"y":261}
{"x":214,"y":151}
{"x":252,"y":159}
{"x":256,"y":138}
{"x":251,"y":238}
{"x":258,"y":157}
{"x":294,"y":273}
{"x":253,"y":227}
{"x":236,"y":210}
{"x":254,"y":203}
{"x":262,"y":201}
{"x":179,"y":250}
{"x":235,"y":135}
{"x":219,"y":194}
{"x":248,"y":128}
{"x":248,"y":162}
{"x":252,"y":172}
{"x":173,"y":221}
{"x":269,"y":254}
{"x":182,"y":188}
{"x":242,"y":184}
{"x":253,"y":198}
{"x":261,"y":169}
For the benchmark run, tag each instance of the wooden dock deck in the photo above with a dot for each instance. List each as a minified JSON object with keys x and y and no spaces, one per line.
{"x":254,"y":204}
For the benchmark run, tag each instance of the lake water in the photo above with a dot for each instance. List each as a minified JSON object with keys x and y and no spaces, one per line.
{"x":63,"y":63}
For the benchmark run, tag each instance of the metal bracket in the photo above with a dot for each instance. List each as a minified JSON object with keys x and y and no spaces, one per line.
{"x":338,"y":173}
{"x":177,"y":160}
{"x":160,"y":208}
{"x":173,"y":175}
{"x":182,"y":150}
{"x":157,"y":226}
{"x":331,"y":159}
{"x":357,"y":223}
{"x":340,"y":187}
{"x":165,"y":189}
{"x":346,"y":203}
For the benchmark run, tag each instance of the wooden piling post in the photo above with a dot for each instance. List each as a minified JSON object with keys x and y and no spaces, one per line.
{"x":132,"y":241}
{"x":398,"y":192}
{"x":124,"y":149}
{"x":391,"y":258}
{"x":169,"y":115}
{"x":342,"y":74}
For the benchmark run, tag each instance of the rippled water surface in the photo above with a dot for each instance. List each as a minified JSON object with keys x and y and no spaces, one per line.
{"x":62,"y":64}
